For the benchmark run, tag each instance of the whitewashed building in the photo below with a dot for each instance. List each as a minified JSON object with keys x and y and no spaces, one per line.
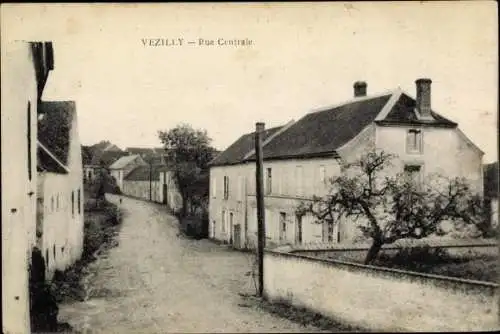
{"x":60,"y":186}
{"x":300,"y":157}
{"x":124,"y":165}
{"x":25,"y":69}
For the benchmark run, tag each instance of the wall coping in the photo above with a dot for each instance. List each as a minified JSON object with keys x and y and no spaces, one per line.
{"x":358,"y":266}
{"x":445,"y":243}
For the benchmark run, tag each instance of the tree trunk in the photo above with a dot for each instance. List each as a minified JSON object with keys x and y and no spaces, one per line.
{"x":374,"y":250}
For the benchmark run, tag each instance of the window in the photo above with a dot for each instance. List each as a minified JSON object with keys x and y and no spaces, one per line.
{"x":213,"y":229}
{"x":298,"y":230}
{"x":322,"y":174}
{"x":413,"y":173}
{"x":223,"y":225}
{"x":214,"y":187}
{"x":57,"y":202}
{"x":226,"y":187}
{"x":282,"y":226}
{"x":414,"y":141}
{"x":28,"y":134}
{"x":73,"y":203}
{"x":330,"y":231}
{"x":298,"y":178}
{"x":269,"y":181}
{"x":79,"y":202}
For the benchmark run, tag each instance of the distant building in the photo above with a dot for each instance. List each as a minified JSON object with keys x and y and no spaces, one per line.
{"x":25,"y":69}
{"x":60,"y":186}
{"x":300,"y":157}
{"x":99,"y":158}
{"x":121,"y":167}
{"x":154,"y":183}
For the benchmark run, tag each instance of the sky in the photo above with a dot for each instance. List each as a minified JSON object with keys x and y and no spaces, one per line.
{"x":303,"y":56}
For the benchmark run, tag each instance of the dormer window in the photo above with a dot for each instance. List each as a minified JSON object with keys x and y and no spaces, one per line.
{"x":414,"y":141}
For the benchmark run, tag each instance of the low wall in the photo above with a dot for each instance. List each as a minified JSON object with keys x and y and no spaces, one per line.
{"x":378,"y":298}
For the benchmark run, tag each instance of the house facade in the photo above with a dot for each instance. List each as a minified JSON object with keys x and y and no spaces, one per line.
{"x":153,"y":183}
{"x":301,"y":157}
{"x":124,"y":165}
{"x":60,"y":186}
{"x":25,"y":69}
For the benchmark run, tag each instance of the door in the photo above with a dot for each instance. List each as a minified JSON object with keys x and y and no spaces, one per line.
{"x":237,"y":236}
{"x":231,"y":228}
{"x":165,"y":194}
{"x":298,"y":230}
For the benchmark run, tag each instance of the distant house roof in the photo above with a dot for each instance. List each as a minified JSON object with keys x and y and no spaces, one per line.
{"x":55,"y":126}
{"x":140,"y":150}
{"x":236,"y":152}
{"x":142,"y":173}
{"x":105,"y":145}
{"x":106,"y":158}
{"x":123,"y":161}
{"x":491,"y":180}
{"x":322,"y":132}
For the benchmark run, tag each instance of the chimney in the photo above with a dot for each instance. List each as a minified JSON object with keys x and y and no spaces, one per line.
{"x":359,"y":88}
{"x":424,"y":97}
{"x":259,"y":127}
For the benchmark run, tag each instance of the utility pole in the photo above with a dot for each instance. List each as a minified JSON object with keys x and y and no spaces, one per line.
{"x":150,"y":180}
{"x":261,"y":230}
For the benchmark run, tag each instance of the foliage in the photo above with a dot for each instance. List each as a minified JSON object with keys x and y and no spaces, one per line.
{"x":389,"y":206}
{"x":189,"y":151}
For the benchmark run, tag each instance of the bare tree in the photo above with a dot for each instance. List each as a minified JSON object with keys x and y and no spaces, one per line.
{"x":389,"y":207}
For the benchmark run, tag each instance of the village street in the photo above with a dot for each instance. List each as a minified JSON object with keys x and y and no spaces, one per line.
{"x":155,"y":281}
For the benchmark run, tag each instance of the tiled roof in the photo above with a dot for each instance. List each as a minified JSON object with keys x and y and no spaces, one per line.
{"x":55,"y":126}
{"x":106,"y":158}
{"x":491,"y":180}
{"x":324,"y":131}
{"x":403,"y":112}
{"x":236,"y":152}
{"x":123,"y":161}
{"x":142,"y":173}
{"x":47,"y":162}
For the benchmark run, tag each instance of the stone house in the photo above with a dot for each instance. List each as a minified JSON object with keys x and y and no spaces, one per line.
{"x":60,"y":186}
{"x":101,"y":158}
{"x":124,"y":165}
{"x":300,"y":157}
{"x":153,"y":183}
{"x":25,"y":69}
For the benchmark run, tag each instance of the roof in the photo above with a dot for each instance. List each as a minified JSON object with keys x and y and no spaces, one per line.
{"x":145,"y":150}
{"x":323,"y":132}
{"x":236,"y":152}
{"x":55,"y":126}
{"x":491,"y":180}
{"x":403,"y":112}
{"x":105,"y":145}
{"x":142,"y":173}
{"x":106,"y":158}
{"x":123,"y":161}
{"x":48,"y":162}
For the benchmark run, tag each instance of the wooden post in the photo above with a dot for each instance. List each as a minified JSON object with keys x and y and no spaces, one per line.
{"x":261,"y":231}
{"x":150,"y":181}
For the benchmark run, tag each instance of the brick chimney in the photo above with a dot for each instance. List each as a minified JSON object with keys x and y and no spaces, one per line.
{"x":359,"y":88}
{"x":424,"y":97}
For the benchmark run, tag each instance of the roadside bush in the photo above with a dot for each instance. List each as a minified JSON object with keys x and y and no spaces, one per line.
{"x":415,"y":257}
